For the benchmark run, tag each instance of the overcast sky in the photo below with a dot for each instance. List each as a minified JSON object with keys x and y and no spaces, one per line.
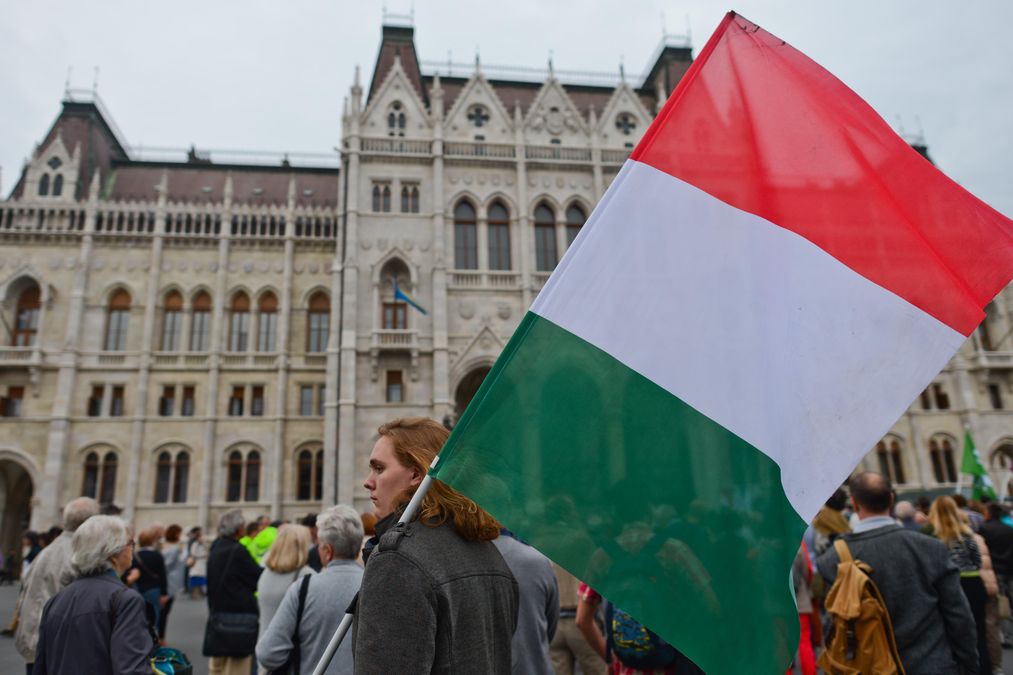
{"x":258,"y":75}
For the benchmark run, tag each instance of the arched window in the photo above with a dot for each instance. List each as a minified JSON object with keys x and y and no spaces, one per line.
{"x":118,"y":316}
{"x":376,"y":198}
{"x":385,"y":205}
{"x":574,"y":221}
{"x":58,"y":185}
{"x":181,"y":477}
{"x":944,"y":468}
{"x":986,"y":329}
{"x":409,"y":199}
{"x":89,"y":485}
{"x":44,"y":185}
{"x":267,"y":322}
{"x":318,"y":327}
{"x":200,"y":327}
{"x":234,"y":477}
{"x":107,"y":493}
{"x":172,"y":320}
{"x":891,"y":463}
{"x":465,"y":236}
{"x":545,"y":239}
{"x":163,"y":477}
{"x":499,"y":237}
{"x":239,"y":323}
{"x":309,"y":474}
{"x":252,"y":483}
{"x":26,"y":320}
{"x":396,"y":120}
{"x":394,"y":314}
{"x":304,"y":476}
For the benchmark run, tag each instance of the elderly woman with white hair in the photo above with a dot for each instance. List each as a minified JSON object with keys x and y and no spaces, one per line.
{"x":313,"y":607}
{"x":73,"y":637}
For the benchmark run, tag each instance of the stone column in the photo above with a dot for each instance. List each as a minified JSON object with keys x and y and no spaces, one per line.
{"x":214,"y":364}
{"x":281,"y":382}
{"x":525,"y":248}
{"x":442,"y":404}
{"x":50,"y":508}
{"x":137,"y":450}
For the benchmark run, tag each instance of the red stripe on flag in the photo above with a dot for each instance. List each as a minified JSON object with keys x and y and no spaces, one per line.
{"x":765,"y":129}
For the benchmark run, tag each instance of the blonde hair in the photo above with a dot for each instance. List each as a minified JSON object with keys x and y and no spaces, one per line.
{"x":947,"y":525}
{"x":290,"y":550}
{"x":416,"y":441}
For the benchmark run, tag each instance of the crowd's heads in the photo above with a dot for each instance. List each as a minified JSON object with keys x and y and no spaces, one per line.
{"x":368,"y":523}
{"x":872,"y":492}
{"x":959,"y":499}
{"x":340,"y":528}
{"x":904,"y":511}
{"x":149,"y":536}
{"x":77,"y":511}
{"x":172,"y":533}
{"x":231,"y":524}
{"x":994,"y":510}
{"x":948,"y":523}
{"x":416,"y":441}
{"x":96,"y":541}
{"x":838,"y":500}
{"x":290,"y":549}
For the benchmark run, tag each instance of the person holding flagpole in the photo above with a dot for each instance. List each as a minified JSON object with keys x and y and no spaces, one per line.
{"x":436,"y":595}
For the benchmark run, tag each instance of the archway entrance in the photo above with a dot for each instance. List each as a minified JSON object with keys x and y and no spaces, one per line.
{"x":1002,"y":464}
{"x":15,"y":509}
{"x":467,"y":389}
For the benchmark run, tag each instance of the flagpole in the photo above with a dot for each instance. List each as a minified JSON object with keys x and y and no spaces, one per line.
{"x":407,"y":516}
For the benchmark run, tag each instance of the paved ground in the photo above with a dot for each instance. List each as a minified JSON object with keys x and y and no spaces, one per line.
{"x":185,"y":631}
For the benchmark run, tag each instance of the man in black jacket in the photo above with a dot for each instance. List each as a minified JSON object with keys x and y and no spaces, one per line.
{"x":232,"y":583}
{"x":919,"y":582}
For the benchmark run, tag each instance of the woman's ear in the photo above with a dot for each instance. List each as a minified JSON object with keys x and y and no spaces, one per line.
{"x":416,"y":479}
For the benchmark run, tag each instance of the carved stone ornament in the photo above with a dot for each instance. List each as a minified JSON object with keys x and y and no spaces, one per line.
{"x":407,"y":244}
{"x":233,"y":268}
{"x":248,"y":267}
{"x":466,"y":309}
{"x":546,"y":182}
{"x":299,"y":269}
{"x":198,"y":267}
{"x":424,"y":246}
{"x":481,"y":180}
{"x":314,"y":268}
{"x":560,"y":181}
{"x":503,"y":310}
{"x":454,"y":180}
{"x":183,"y":266}
{"x":509,"y":180}
{"x":382,"y":244}
{"x":213,"y":267}
{"x":532,"y":181}
{"x":366,"y":244}
{"x":495,"y":180}
{"x":279,"y":267}
{"x":167,"y":266}
{"x":115,"y":266}
{"x":264,"y":267}
{"x":467,"y":180}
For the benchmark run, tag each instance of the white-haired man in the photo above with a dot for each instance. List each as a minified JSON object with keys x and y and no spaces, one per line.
{"x":339,"y":535}
{"x":49,"y":574}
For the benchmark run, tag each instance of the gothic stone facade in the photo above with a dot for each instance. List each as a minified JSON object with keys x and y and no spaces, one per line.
{"x":185,"y":337}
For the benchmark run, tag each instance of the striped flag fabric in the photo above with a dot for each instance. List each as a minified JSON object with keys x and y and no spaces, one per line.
{"x":768,"y":282}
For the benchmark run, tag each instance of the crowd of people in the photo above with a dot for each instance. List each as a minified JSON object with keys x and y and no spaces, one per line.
{"x":454,"y":591}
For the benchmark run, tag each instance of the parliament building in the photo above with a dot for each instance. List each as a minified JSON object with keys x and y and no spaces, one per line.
{"x":187,"y":333}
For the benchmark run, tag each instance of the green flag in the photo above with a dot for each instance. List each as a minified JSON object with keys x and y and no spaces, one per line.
{"x":971,"y":464}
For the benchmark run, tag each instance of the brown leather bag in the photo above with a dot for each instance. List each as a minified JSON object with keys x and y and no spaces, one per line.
{"x":860,"y":640}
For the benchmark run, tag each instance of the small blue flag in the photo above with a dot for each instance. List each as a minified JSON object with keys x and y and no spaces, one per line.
{"x":401,"y":295}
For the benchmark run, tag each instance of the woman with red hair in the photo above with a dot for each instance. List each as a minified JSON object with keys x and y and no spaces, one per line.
{"x":436,"y":595}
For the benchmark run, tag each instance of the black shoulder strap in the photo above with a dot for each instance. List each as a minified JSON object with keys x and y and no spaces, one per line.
{"x":225,"y":574}
{"x":295,"y":656}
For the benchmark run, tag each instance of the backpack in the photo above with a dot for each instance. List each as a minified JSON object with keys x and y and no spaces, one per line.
{"x":633,"y":643}
{"x":860,"y":640}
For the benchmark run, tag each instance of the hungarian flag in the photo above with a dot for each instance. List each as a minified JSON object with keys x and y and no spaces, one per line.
{"x":970,"y":463}
{"x":768,"y":282}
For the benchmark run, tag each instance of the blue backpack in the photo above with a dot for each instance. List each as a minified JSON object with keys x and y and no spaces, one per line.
{"x":634,"y":644}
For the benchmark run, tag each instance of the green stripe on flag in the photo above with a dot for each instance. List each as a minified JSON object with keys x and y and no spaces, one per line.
{"x":663,"y":511}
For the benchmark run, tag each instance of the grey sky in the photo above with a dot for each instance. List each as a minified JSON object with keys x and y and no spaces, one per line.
{"x":258,"y":75}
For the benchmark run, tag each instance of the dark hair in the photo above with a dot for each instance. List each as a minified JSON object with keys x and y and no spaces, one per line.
{"x":872,"y":491}
{"x":54,"y":532}
{"x":309,"y":520}
{"x":32,"y":536}
{"x":961,"y":500}
{"x":172,"y":533}
{"x":994,"y":511}
{"x":838,"y":500}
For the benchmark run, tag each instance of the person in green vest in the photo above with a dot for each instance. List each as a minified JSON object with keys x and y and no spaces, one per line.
{"x":252,"y":530}
{"x":263,"y":540}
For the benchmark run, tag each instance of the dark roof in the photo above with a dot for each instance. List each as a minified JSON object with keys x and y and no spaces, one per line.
{"x":397,"y":42}
{"x":82,"y":123}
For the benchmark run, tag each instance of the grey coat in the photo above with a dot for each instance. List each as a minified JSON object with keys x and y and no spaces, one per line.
{"x":327,"y":597}
{"x":432,"y":602}
{"x":921,"y":588}
{"x":95,"y":625}
{"x":50,"y":573}
{"x":538,"y":612}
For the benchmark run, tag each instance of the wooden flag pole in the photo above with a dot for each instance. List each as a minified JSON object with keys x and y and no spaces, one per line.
{"x":346,"y":622}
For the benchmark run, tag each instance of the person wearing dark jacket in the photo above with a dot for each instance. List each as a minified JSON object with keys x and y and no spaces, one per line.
{"x":232,"y":582}
{"x":436,"y":596}
{"x":96,"y":624}
{"x":153,"y":582}
{"x":920,"y":584}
